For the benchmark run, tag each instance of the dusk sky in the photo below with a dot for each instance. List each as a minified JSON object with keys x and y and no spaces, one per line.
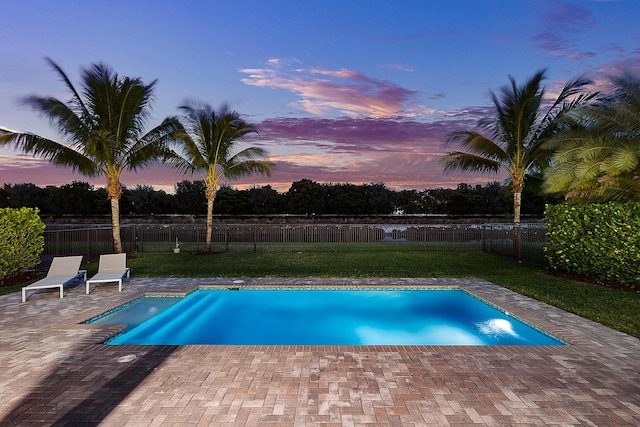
{"x":340,"y":91}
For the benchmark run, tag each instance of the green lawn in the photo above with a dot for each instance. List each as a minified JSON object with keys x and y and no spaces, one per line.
{"x":614,"y":308}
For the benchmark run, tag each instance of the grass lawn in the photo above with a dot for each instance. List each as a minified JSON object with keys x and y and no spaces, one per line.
{"x":611,"y":307}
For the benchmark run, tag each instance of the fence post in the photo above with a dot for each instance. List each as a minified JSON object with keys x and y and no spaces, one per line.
{"x":255,"y":238}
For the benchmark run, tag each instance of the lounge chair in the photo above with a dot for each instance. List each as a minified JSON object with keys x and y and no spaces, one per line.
{"x":63,"y":270}
{"x":111,"y":268}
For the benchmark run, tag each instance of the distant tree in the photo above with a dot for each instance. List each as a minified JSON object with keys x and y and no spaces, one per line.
{"x":77,"y":198}
{"x":230,"y":201}
{"x":523,"y":121}
{"x":409,"y":202}
{"x":189,"y":197}
{"x":210,"y":144}
{"x":379,"y":199}
{"x":265,"y":200}
{"x":598,"y":157}
{"x":495,"y":199}
{"x":437,"y":200}
{"x":104,"y":124}
{"x":23,"y":195}
{"x":346,"y":199}
{"x":466,"y":200}
{"x":306,"y":197}
{"x":145,"y":200}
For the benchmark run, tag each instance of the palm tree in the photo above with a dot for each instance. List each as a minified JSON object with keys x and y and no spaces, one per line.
{"x":598,"y":157}
{"x":523,"y":121}
{"x":103,"y":125}
{"x":209,"y":140}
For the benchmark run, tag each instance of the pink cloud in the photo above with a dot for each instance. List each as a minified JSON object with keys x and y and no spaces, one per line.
{"x":401,"y":67}
{"x":323,"y":92}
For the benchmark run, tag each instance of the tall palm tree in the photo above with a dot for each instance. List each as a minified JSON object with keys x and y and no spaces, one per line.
{"x":210,"y":140}
{"x":524,"y":119}
{"x":598,"y":157}
{"x":103,"y":127}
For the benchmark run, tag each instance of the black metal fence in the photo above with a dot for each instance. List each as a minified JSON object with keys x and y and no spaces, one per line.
{"x":500,"y":239}
{"x":492,"y":238}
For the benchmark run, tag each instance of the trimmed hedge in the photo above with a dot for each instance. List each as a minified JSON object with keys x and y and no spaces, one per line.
{"x":597,"y":240}
{"x":21,"y":240}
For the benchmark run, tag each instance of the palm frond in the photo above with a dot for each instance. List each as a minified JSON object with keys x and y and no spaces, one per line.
{"x":466,"y":162}
{"x":209,"y":141}
{"x":59,"y":154}
{"x":478,"y":144}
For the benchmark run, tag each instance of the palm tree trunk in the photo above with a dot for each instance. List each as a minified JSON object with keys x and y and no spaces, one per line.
{"x":115,"y":225}
{"x":207,"y":243}
{"x":517,"y":204}
{"x":210,"y":193}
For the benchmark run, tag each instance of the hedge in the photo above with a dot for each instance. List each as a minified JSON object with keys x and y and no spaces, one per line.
{"x":597,"y":240}
{"x":21,"y":240}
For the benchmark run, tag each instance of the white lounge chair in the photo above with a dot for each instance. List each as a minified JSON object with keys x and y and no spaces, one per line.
{"x":111,"y":268}
{"x":62,"y":271}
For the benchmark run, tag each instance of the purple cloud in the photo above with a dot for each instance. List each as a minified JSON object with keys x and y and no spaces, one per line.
{"x":352,"y":135}
{"x":560,"y":28}
{"x":400,"y":153}
{"x":323,"y":92}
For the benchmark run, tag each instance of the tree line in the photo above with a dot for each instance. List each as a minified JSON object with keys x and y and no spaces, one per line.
{"x":304,"y":197}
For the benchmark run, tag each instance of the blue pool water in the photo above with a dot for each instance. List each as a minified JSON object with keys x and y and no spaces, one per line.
{"x":323,"y":317}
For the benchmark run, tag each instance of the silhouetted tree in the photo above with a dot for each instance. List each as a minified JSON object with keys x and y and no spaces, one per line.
{"x":190,"y":197}
{"x":265,"y":200}
{"x":306,"y":197}
{"x":23,"y":195}
{"x":77,"y":198}
{"x":145,"y":200}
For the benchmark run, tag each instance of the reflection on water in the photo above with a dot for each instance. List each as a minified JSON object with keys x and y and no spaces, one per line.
{"x":496,"y":327}
{"x":434,"y":335}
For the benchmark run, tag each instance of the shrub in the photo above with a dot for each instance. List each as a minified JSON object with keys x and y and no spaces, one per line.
{"x":21,"y":240}
{"x":598,"y":240}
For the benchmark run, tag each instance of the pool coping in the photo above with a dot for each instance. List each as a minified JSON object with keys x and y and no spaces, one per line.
{"x":53,"y":369}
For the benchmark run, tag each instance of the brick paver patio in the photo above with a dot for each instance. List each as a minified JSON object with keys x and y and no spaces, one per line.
{"x":53,"y":370}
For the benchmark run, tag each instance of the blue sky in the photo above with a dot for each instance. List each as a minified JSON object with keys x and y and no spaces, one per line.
{"x":340,"y":91}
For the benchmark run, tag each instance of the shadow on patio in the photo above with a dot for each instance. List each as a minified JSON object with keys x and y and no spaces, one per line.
{"x":87,"y":386}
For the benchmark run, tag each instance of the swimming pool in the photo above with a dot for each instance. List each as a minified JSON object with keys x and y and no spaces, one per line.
{"x":324,"y":317}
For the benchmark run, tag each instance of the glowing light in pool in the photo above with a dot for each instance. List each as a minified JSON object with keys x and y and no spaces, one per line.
{"x":496,"y":327}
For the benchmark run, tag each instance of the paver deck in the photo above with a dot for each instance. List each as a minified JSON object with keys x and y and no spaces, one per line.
{"x":54,"y":371}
